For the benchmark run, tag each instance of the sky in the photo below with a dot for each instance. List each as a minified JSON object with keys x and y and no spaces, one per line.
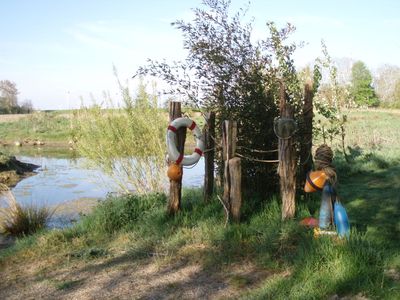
{"x":62,"y":52}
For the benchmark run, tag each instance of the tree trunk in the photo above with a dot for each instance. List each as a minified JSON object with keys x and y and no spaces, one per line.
{"x":209,"y":135}
{"x":235,"y":174}
{"x":307,"y":137}
{"x":175,"y":187}
{"x":229,"y":132}
{"x":287,"y":162}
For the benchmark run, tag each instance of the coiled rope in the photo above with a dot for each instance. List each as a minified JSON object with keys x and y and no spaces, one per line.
{"x":323,"y":161}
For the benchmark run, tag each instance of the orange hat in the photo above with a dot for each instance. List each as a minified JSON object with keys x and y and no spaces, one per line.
{"x":174,"y":172}
{"x":315,"y":180}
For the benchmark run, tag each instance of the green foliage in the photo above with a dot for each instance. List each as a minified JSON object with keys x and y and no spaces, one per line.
{"x":396,"y":95}
{"x":127,"y":143}
{"x":115,"y":214}
{"x":330,"y":99}
{"x":361,"y":86}
{"x":228,"y":73}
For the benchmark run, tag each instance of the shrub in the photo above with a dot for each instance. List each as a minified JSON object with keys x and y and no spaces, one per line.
{"x":128,"y":144}
{"x":114,"y":214}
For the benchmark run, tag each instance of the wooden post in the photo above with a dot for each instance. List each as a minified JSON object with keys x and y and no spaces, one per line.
{"x":209,"y":135}
{"x":287,"y":161}
{"x":232,"y":197}
{"x":175,"y":187}
{"x":229,"y":132}
{"x":235,"y":174}
{"x":307,"y":137}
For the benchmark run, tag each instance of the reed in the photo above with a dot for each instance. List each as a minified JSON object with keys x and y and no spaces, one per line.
{"x":18,"y":220}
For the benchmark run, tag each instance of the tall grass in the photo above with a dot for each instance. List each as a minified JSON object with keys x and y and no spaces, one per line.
{"x":18,"y":220}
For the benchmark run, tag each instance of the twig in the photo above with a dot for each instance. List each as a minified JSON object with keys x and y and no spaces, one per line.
{"x":226,"y":210}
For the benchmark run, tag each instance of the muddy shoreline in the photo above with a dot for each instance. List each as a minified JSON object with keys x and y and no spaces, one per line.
{"x":12,"y":170}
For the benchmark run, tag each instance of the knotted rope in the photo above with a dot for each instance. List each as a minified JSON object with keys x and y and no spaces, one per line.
{"x":323,"y":161}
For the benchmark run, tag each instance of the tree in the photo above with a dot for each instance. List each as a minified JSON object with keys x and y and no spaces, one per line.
{"x":8,"y":96}
{"x":225,"y":71}
{"x":26,"y":106}
{"x":385,"y":83}
{"x":361,"y":86}
{"x":396,"y":95}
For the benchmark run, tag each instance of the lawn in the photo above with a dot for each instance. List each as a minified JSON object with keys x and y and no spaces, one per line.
{"x":129,"y":248}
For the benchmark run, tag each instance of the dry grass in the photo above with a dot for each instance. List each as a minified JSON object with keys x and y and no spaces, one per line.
{"x":12,"y":118}
{"x":18,"y":220}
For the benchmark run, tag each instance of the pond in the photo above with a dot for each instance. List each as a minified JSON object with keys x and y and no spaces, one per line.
{"x":65,"y":181}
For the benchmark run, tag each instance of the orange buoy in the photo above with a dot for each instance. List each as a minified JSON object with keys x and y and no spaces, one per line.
{"x":315,"y":181}
{"x":310,"y":222}
{"x":174,"y":172}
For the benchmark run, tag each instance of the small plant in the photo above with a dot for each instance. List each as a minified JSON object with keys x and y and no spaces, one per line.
{"x":17,"y":220}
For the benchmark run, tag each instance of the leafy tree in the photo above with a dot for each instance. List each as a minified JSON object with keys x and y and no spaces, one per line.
{"x":127,"y":144}
{"x":396,"y":95}
{"x":8,"y":96}
{"x":361,"y":85}
{"x":26,"y":106}
{"x":225,"y":71}
{"x":386,"y":80}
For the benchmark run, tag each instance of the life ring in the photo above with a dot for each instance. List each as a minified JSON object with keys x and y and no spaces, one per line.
{"x":173,"y":153}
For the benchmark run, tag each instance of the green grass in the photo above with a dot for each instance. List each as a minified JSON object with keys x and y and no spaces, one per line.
{"x":300,"y":266}
{"x":45,"y":126}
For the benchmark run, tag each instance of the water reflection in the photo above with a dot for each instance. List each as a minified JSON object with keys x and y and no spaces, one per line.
{"x":62,"y":177}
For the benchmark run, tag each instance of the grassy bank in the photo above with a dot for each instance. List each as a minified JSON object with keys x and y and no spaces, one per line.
{"x":48,"y":127}
{"x":129,"y":248}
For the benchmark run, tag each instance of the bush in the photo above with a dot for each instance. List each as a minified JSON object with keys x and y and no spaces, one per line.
{"x":115,"y":214}
{"x":128,"y":144}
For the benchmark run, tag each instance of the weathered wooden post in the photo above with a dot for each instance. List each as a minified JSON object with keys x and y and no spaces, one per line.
{"x":209,"y":134}
{"x":175,"y":187}
{"x":235,"y":192}
{"x":232,"y":197}
{"x":307,"y":137}
{"x":287,"y":161}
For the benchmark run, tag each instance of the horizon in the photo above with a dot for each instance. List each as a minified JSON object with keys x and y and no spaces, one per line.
{"x":58,"y":53}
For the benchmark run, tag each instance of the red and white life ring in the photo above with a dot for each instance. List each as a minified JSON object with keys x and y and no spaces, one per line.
{"x":173,"y":153}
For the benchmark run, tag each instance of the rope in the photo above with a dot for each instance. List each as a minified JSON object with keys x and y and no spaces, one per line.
{"x":256,"y":150}
{"x":257,"y":160}
{"x":323,"y":161}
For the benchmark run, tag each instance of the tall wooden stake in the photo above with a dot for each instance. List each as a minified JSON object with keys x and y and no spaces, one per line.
{"x":175,"y":187}
{"x":307,"y":137}
{"x":287,"y":161}
{"x":232,"y":197}
{"x":229,"y":132}
{"x":209,"y":135}
{"x":235,"y":192}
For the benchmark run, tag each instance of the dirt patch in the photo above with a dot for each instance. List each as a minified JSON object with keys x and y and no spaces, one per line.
{"x":122,"y":277}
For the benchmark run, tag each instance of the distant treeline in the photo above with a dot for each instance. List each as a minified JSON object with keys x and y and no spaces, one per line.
{"x":9,"y":99}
